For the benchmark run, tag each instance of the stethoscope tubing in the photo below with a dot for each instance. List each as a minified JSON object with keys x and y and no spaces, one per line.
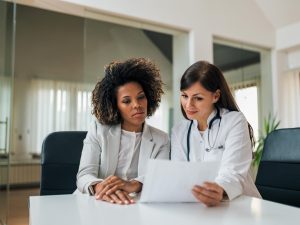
{"x":217,"y":116}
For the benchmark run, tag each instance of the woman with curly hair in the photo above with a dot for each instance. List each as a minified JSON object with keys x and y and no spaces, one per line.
{"x":119,"y":142}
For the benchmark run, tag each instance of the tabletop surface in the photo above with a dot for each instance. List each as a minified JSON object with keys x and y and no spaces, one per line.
{"x":83,"y":209}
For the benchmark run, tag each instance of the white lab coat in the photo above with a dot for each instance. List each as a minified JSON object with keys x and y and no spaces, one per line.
{"x":232,"y":148}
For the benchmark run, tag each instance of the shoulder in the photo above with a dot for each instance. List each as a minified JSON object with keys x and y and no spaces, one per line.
{"x":233,"y":117}
{"x":234,"y":121}
{"x":181,"y":125}
{"x":158,"y":134}
{"x":98,"y":128}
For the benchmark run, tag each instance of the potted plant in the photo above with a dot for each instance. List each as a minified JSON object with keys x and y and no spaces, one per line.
{"x":269,"y":124}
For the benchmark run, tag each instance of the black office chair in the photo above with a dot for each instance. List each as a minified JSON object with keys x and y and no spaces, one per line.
{"x":61,"y":152}
{"x":278,"y":176}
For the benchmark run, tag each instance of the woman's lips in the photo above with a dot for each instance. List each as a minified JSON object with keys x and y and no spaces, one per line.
{"x":190,"y":112}
{"x":138,"y":114}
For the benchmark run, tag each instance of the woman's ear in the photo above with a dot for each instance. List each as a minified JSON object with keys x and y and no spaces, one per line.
{"x":217,"y":95}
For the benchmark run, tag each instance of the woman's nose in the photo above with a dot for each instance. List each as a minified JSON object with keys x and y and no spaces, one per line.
{"x":136,"y":104}
{"x":189,"y":102}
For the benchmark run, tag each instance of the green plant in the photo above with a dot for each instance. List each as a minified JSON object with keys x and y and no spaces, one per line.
{"x":270,"y":124}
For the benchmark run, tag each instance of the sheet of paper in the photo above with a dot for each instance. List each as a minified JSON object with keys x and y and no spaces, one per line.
{"x":171,"y":181}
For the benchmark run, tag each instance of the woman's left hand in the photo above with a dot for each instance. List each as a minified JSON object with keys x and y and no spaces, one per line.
{"x":209,"y":193}
{"x":115,"y":183}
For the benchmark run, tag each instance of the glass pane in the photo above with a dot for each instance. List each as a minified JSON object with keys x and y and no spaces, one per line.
{"x":7,"y":17}
{"x":49,"y":73}
{"x":105,"y":42}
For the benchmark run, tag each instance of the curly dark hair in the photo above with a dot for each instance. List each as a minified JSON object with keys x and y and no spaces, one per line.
{"x":104,"y":96}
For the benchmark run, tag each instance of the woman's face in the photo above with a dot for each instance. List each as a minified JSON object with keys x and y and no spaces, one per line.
{"x":132,"y":104}
{"x":197,"y":102}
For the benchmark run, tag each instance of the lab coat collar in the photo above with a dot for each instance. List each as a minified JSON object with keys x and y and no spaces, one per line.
{"x":211,"y":116}
{"x":213,"y":113}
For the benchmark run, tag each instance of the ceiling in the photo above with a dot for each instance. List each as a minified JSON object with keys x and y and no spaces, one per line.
{"x":280,"y":13}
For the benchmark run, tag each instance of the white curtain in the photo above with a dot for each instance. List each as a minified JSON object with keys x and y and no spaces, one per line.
{"x":291,"y":100}
{"x":5,"y":95}
{"x":58,"y":106}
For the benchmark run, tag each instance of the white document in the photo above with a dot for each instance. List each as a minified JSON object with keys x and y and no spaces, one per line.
{"x":171,"y":181}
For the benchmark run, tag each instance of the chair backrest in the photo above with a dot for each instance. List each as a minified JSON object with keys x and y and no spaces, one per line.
{"x":61,"y":152}
{"x":278,"y":176}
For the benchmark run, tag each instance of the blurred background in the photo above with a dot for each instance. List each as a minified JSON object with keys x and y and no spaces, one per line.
{"x":53,"y":52}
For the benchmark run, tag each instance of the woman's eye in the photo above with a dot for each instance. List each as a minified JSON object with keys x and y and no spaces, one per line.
{"x":141,"y":97}
{"x":126,"y":101}
{"x":184,"y":96}
{"x":199,"y":98}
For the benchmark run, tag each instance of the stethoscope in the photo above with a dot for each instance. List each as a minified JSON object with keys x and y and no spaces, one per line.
{"x":210,"y":147}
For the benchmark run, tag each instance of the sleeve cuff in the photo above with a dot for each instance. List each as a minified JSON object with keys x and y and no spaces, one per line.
{"x":139,"y":179}
{"x":231,"y":190}
{"x":89,"y":189}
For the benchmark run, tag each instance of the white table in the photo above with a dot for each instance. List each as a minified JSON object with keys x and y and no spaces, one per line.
{"x":85,"y":210}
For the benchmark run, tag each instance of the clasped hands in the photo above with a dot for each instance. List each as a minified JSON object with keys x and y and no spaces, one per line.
{"x":116,"y":190}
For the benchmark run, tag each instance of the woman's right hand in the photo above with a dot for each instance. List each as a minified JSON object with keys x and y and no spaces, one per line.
{"x":210,"y":193}
{"x":119,"y":196}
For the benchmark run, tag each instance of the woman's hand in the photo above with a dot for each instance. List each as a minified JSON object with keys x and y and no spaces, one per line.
{"x":119,"y":197}
{"x":112,"y":184}
{"x":209,"y":193}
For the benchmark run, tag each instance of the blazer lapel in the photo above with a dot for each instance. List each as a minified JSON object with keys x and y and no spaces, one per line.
{"x":113,"y":146}
{"x":146,"y":149}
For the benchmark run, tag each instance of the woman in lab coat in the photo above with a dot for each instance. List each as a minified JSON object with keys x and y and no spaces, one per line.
{"x":213,"y":130}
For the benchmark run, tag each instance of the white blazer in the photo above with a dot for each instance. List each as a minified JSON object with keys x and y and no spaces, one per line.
{"x":231,"y":146}
{"x":99,"y":157}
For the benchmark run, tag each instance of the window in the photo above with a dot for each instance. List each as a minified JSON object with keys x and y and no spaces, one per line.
{"x":58,"y":106}
{"x":246,"y":98}
{"x":5,"y":91}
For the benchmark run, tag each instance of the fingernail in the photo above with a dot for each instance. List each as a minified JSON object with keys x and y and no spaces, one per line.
{"x":126,"y":202}
{"x":111,"y":201}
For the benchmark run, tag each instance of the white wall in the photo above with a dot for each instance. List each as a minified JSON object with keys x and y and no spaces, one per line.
{"x":288,"y":37}
{"x":294,"y":58}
